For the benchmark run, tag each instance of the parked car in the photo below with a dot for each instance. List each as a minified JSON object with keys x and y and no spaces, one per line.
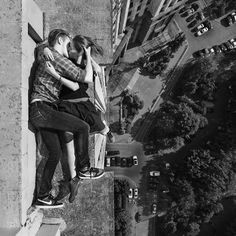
{"x":200,"y":26}
{"x":233,"y":42}
{"x":207,"y":52}
{"x":198,"y":54}
{"x":200,"y":16}
{"x":201,"y":31}
{"x":192,"y":24}
{"x":118,"y":161}
{"x":217,"y":49}
{"x":135,"y":193}
{"x":223,"y":47}
{"x":228,"y":45}
{"x":154,"y":208}
{"x":155,"y":173}
{"x":112,"y":153}
{"x":131,"y":193}
{"x":231,"y":18}
{"x":124,"y":162}
{"x":167,"y":165}
{"x":113,"y":161}
{"x":190,"y":11}
{"x":108,"y":161}
{"x":135,"y":160}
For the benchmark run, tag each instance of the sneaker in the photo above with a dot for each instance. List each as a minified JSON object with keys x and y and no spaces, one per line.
{"x":74,"y":186}
{"x":111,"y":137}
{"x":64,"y":190}
{"x":48,"y":202}
{"x":91,"y":173}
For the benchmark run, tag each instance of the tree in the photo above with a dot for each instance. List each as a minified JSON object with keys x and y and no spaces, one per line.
{"x":177,"y":42}
{"x":122,"y":221}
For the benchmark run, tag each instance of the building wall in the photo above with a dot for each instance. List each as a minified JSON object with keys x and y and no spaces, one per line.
{"x":91,"y":18}
{"x":18,"y":154}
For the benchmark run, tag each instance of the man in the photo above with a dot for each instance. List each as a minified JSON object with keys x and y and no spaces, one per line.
{"x":45,"y":116}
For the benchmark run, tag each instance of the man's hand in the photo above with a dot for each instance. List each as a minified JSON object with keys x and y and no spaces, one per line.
{"x":49,"y":68}
{"x":47,"y":54}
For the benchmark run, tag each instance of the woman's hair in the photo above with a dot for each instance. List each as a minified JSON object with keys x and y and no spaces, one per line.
{"x":84,"y":41}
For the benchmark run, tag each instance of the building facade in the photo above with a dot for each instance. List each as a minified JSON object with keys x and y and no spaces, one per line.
{"x":148,"y":19}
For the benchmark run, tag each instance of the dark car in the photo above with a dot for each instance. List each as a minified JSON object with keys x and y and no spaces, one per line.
{"x":217,"y":49}
{"x":190,"y":18}
{"x":118,"y":161}
{"x":192,"y":24}
{"x":195,"y":6}
{"x":198,"y":54}
{"x":112,"y":153}
{"x":129,"y":161}
{"x":124,"y":162}
{"x":228,"y":45}
{"x":113,"y":161}
{"x":231,"y":18}
{"x":200,"y":16}
{"x":223,"y":48}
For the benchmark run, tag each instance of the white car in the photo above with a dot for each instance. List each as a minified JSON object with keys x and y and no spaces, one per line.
{"x":233,"y":42}
{"x":233,"y":14}
{"x":200,"y":26}
{"x":155,"y":173}
{"x":202,"y":31}
{"x":135,"y":160}
{"x":154,"y":208}
{"x":135,"y":193}
{"x":108,"y":161}
{"x":131,"y":193}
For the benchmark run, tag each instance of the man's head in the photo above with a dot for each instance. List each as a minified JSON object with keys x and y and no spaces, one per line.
{"x":60,"y":39}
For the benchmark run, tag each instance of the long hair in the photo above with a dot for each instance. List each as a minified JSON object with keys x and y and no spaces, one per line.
{"x":84,"y":41}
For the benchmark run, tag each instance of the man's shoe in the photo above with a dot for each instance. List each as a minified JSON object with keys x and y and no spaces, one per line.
{"x":48,"y":202}
{"x":64,"y":190}
{"x":74,"y":186}
{"x":91,"y":173}
{"x":111,"y":137}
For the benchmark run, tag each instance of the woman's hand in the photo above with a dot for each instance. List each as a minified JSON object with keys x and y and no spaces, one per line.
{"x":47,"y":54}
{"x":88,"y":52}
{"x":49,"y":68}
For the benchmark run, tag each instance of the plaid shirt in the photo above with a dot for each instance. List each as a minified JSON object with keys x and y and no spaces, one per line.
{"x":46,"y":87}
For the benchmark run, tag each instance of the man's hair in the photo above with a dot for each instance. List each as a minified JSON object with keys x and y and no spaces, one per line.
{"x":55,"y":34}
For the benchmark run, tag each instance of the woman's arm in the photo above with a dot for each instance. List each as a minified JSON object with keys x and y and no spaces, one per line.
{"x":68,"y":83}
{"x":88,"y":69}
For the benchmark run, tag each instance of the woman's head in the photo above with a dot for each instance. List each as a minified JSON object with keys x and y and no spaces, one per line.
{"x":80,"y":42}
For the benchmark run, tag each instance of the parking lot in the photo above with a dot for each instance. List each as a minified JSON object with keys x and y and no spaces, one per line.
{"x":217,"y":35}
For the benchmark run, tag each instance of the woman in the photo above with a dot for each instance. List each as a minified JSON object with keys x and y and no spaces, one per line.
{"x":77,"y":102}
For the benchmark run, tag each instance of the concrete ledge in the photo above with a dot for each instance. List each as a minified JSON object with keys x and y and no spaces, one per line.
{"x":32,"y":224}
{"x":49,"y":230}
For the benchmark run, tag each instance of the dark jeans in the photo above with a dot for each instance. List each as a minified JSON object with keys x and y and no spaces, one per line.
{"x":84,"y":110}
{"x":51,"y":122}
